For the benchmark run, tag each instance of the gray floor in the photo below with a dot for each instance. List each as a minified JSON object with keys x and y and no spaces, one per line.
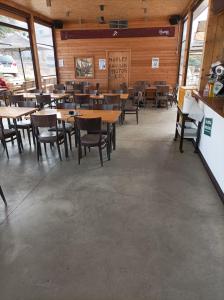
{"x":148,"y":225}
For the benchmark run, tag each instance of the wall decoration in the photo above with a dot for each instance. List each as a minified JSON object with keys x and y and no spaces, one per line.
{"x":102,"y":64}
{"x":155,"y":63}
{"x":208,"y":126}
{"x":84,"y":67}
{"x":61,"y":63}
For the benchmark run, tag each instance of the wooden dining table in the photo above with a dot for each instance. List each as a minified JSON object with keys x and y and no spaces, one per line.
{"x":12,"y":112}
{"x":110,"y":117}
{"x":101,"y":96}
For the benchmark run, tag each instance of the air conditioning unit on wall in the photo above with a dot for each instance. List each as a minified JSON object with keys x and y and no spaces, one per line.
{"x":118,"y":24}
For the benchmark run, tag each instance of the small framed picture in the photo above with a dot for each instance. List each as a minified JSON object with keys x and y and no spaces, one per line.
{"x":102,"y":64}
{"x":155,"y":63}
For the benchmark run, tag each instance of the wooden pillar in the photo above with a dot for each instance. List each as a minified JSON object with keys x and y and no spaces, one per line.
{"x":34,"y":52}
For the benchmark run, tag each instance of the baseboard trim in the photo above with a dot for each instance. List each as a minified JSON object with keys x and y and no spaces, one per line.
{"x":212,"y":177}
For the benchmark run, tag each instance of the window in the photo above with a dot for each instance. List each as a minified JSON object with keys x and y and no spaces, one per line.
{"x":182,"y":54}
{"x":46,"y":57}
{"x":197,"y":44}
{"x":16,"y":64}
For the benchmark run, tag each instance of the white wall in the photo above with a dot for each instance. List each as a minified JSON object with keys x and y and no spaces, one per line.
{"x":212,"y":147}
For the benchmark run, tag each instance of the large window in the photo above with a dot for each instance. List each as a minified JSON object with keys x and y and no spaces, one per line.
{"x":182,"y":54}
{"x":16,"y":64}
{"x":45,"y":47}
{"x":197,"y":44}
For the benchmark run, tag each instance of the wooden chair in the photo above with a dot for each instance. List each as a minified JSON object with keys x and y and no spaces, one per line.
{"x":83,"y":101}
{"x":162,"y":97}
{"x":150,"y":96}
{"x":131,"y":106}
{"x":14,"y":99}
{"x":59,"y":87}
{"x":93,"y":137}
{"x":46,"y":136}
{"x":69,"y":127}
{"x":116,"y":102}
{"x":159,"y":82}
{"x":43,"y":100}
{"x":8,"y":135}
{"x":3,"y":196}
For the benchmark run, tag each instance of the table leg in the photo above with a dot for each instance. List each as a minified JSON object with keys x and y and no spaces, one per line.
{"x":177,"y":121}
{"x":18,"y":135}
{"x":182,"y":134}
{"x":114,"y":136}
{"x":108,"y":140}
{"x":198,"y":137}
{"x":65,"y":139}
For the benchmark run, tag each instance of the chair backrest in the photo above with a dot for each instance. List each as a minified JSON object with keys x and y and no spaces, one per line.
{"x":14,"y":99}
{"x":46,"y":121}
{"x":35,"y":91}
{"x":160,"y":82}
{"x":89,"y":124}
{"x":27,"y":104}
{"x":69,"y":87}
{"x":69,"y":82}
{"x":82,"y":99}
{"x":114,"y":100}
{"x":59,"y":87}
{"x":93,"y":92}
{"x":43,"y":99}
{"x":162,"y":90}
{"x":97,"y":106}
{"x":66,"y":105}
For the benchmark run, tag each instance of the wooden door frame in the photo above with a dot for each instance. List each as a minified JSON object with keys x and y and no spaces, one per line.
{"x":129,"y":62}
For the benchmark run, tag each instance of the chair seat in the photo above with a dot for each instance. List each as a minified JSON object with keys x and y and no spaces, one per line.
{"x":50,"y":136}
{"x":92,"y":139}
{"x":8,"y":133}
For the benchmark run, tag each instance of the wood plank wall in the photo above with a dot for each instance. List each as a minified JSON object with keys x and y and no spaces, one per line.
{"x":214,"y":46}
{"x":142,"y":50}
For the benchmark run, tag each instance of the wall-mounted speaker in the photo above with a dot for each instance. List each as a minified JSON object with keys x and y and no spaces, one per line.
{"x":58,"y":24}
{"x":174,"y":20}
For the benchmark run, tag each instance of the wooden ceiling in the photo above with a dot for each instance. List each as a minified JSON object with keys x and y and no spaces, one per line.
{"x":89,"y":11}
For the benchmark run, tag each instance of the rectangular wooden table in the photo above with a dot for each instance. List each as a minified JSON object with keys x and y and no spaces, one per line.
{"x":107,"y":116}
{"x":101,"y":96}
{"x":11,"y":112}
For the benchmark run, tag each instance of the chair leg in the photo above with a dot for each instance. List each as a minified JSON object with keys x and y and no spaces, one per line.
{"x":3,"y":196}
{"x":38,"y":151}
{"x":101,"y":156}
{"x":59,"y":151}
{"x":6,"y":148}
{"x":79,"y":153}
{"x":33,"y":136}
{"x":45,"y":148}
{"x":85,"y":150}
{"x":28,"y":134}
{"x":70,"y":140}
{"x":137,"y":116}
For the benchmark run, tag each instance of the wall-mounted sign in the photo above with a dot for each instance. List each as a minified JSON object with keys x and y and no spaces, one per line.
{"x":155,"y":63}
{"x":118,"y":33}
{"x":102,"y":64}
{"x":84,"y":67}
{"x":208,"y":126}
{"x":61,"y":63}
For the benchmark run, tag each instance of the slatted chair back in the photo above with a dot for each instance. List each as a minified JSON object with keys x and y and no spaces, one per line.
{"x":43,"y":100}
{"x":27,"y":104}
{"x":89,"y":124}
{"x":114,"y":100}
{"x":14,"y":99}
{"x":44,"y":121}
{"x":59,"y":87}
{"x":82,"y":100}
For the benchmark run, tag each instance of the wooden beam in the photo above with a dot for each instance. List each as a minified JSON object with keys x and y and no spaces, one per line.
{"x":34,"y":51}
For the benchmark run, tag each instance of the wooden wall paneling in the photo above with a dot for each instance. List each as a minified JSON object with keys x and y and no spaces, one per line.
{"x":142,"y":50}
{"x":214,"y":45}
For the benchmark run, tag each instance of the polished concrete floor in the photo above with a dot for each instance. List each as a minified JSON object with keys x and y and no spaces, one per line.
{"x":148,"y":225}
